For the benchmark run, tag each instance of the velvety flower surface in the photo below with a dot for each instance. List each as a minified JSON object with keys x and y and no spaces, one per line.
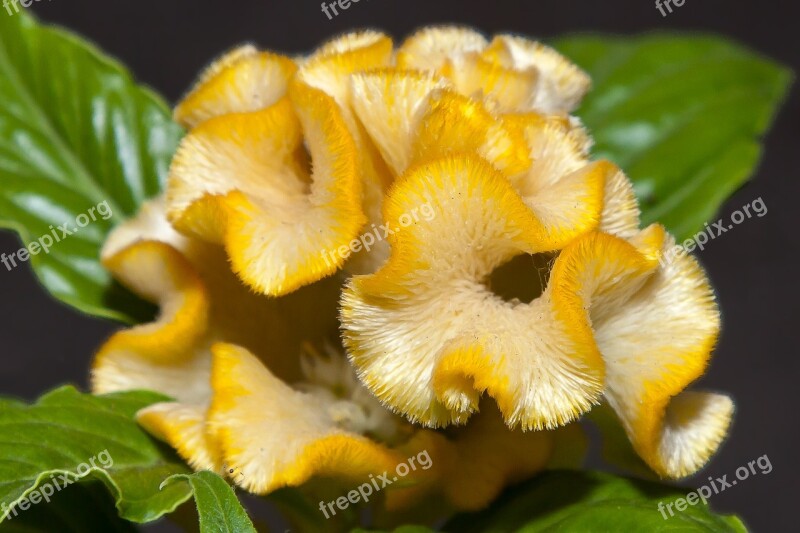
{"x":295,"y":411}
{"x":300,"y":352}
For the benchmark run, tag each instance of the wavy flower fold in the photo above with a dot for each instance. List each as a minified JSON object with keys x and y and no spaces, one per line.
{"x":298,"y":356}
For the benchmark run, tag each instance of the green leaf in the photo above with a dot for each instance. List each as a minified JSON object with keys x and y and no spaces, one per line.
{"x":79,"y":507}
{"x":67,"y":435}
{"x":217,"y":506}
{"x":75,"y":131}
{"x":591,"y":501}
{"x":682,"y":115}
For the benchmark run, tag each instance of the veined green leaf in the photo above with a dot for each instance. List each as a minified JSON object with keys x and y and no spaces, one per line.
{"x":67,"y":436}
{"x":217,"y":505}
{"x":80,"y":507}
{"x":681,"y":115}
{"x":75,"y":132}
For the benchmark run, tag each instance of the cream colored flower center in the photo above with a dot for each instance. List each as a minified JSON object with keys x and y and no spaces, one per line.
{"x":331,"y":379}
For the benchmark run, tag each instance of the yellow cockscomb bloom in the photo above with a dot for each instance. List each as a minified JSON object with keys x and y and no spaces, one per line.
{"x":293,"y":412}
{"x":314,"y":326}
{"x":428,"y":336}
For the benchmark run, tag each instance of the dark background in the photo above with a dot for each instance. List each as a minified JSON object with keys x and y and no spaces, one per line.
{"x":753,"y":268}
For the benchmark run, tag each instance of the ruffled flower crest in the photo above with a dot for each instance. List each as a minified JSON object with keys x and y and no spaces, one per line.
{"x":288,"y":162}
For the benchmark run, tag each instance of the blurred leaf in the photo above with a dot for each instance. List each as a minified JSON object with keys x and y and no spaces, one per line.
{"x":49,"y":442}
{"x":217,"y":505}
{"x":682,"y":115}
{"x":297,"y":510}
{"x":401,"y":529}
{"x":617,"y":449}
{"x":75,"y":131}
{"x":591,"y":501}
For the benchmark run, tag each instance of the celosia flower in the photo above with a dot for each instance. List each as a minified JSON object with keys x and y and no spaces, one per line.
{"x":288,"y":160}
{"x":293,"y":412}
{"x":428,"y":336}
